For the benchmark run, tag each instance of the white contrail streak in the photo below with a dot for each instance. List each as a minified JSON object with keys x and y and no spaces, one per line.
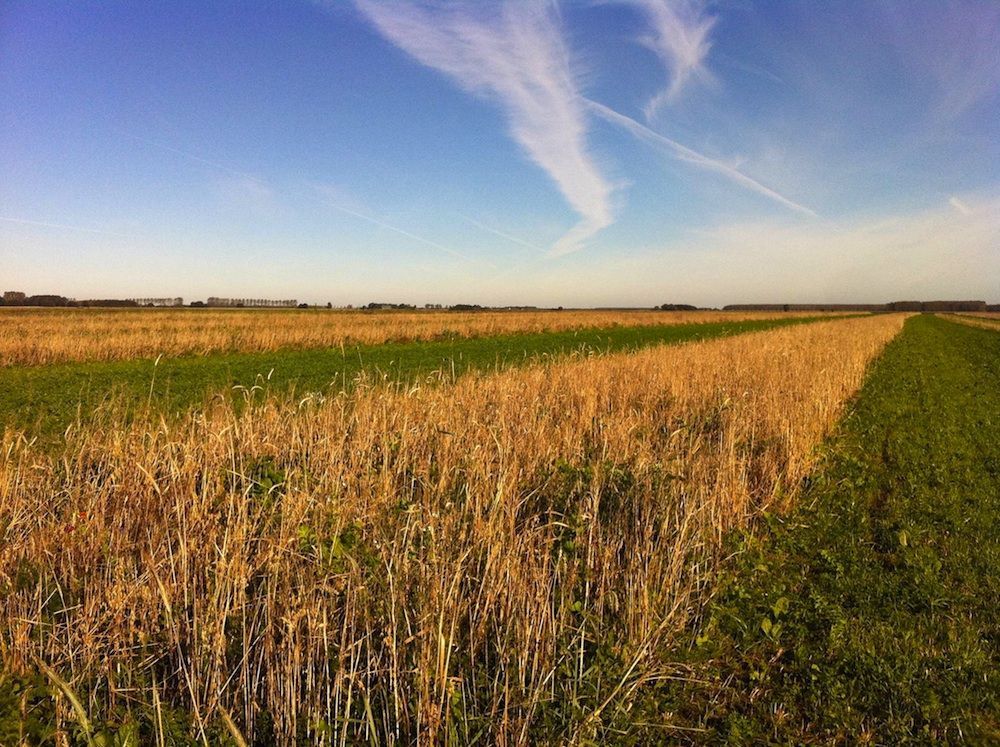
{"x":394,"y":229}
{"x":46,"y":224}
{"x":499,"y":233}
{"x":190,"y":156}
{"x":683,"y":153}
{"x":262,"y":183}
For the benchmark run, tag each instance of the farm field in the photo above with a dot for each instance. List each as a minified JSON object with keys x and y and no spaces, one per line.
{"x":990,"y":315}
{"x":33,"y":336}
{"x":867,"y":614}
{"x":503,"y":557}
{"x":985,"y":320}
{"x":417,"y":373}
{"x":45,"y":399}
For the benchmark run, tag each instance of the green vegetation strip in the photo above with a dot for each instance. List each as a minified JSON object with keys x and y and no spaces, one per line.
{"x":44,"y":400}
{"x":871,"y":613}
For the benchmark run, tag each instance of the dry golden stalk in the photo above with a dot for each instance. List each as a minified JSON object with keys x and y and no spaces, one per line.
{"x":994,"y":315}
{"x":501,"y":556}
{"x":983,"y":320}
{"x":38,"y":336}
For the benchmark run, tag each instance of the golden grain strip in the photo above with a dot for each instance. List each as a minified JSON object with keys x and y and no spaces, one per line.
{"x":403,"y":563}
{"x":40,"y":336}
{"x":982,"y":321}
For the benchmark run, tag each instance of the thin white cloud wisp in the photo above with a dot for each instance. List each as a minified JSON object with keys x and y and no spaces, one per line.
{"x":514,"y":55}
{"x":69,"y":227}
{"x":960,"y":206}
{"x":683,"y":153}
{"x":679,"y":36}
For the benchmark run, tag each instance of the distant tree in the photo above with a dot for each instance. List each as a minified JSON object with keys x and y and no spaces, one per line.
{"x":375,"y":305}
{"x":106,"y":303}
{"x":954,"y":306}
{"x":46,"y":300}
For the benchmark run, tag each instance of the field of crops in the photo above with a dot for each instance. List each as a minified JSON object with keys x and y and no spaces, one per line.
{"x":477,"y":554}
{"x":38,"y":336}
{"x":48,"y":399}
{"x":985,"y":320}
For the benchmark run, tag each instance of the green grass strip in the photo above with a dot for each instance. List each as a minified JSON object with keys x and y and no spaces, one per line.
{"x":43,"y":400}
{"x":871,"y":613}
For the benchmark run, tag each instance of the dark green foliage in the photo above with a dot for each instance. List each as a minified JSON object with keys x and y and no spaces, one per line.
{"x":266,"y":477}
{"x":23,"y":710}
{"x":870,"y":613}
{"x":28,"y":717}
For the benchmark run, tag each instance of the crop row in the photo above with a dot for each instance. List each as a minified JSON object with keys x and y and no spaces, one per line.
{"x":40,"y":336}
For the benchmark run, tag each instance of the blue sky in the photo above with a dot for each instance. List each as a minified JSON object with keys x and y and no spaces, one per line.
{"x":623,"y":152}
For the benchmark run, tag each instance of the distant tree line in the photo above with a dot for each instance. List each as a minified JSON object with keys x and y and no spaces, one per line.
{"x":892,"y":306}
{"x":379,"y":305}
{"x":938,"y":306}
{"x":265,"y":303}
{"x":178,"y":301}
{"x":384,"y":305}
{"x":124,"y":303}
{"x":18,"y":298}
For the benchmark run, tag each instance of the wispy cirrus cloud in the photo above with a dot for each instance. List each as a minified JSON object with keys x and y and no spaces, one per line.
{"x":502,"y":234}
{"x":332,"y":198}
{"x":66,"y":226}
{"x":952,"y":47}
{"x":247,"y":192}
{"x":683,"y":153}
{"x":960,"y":206}
{"x":240,"y":186}
{"x":512,"y":54}
{"x":929,"y":252}
{"x":679,"y":36}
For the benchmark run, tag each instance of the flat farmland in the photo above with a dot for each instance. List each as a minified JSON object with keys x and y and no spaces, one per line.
{"x":522,"y":485}
{"x":985,"y":320}
{"x":42,"y":336}
{"x":152,"y":364}
{"x":616,"y":534}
